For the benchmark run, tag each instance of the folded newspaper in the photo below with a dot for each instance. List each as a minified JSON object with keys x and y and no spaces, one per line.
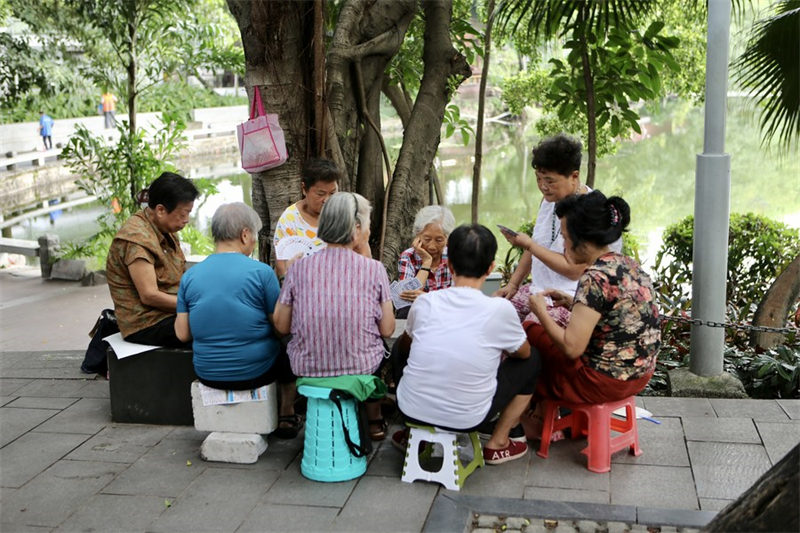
{"x":219,"y":397}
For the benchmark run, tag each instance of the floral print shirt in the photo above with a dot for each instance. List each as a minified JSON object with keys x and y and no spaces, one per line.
{"x":626,"y":339}
{"x":291,"y":224}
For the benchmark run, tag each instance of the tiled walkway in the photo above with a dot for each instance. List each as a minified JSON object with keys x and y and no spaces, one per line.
{"x":65,"y":466}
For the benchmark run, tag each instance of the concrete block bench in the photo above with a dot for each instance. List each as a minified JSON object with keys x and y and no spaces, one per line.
{"x":236,"y":428}
{"x":152,"y":387}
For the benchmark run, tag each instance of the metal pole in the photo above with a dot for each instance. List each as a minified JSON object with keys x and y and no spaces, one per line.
{"x":712,"y":203}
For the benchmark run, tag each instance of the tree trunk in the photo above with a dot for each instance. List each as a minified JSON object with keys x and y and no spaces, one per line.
{"x":476,"y":167}
{"x":776,"y":304}
{"x":402,"y":103}
{"x":275,"y":37}
{"x":771,"y":504}
{"x":591,"y":160}
{"x":421,"y":138}
{"x":131,"y":68}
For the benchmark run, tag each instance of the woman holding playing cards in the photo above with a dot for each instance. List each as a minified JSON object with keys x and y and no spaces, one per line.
{"x":557,"y":162}
{"x":607,"y":350}
{"x":426,"y":260}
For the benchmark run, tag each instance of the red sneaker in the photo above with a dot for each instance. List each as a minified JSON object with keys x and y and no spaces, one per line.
{"x":400,"y":439}
{"x":514,"y":450}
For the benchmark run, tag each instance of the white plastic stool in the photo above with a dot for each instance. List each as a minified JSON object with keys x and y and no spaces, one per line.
{"x":453,"y":472}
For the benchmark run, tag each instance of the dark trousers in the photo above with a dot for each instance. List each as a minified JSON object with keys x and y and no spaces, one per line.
{"x":514,"y":377}
{"x":48,"y":142}
{"x":280,"y":371}
{"x":160,"y":334}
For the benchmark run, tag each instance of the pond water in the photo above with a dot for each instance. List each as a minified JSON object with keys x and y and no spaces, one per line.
{"x":655,"y":174}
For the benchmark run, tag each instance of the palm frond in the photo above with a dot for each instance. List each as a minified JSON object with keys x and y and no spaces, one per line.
{"x":770,"y":69}
{"x":548,"y":18}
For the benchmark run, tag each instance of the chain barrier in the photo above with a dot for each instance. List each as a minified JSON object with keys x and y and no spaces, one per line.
{"x":729,"y":325}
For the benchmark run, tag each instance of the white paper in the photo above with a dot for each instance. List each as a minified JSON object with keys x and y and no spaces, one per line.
{"x":396,"y":287}
{"x":218,"y":396}
{"x":640,"y":413}
{"x":125,"y":349}
{"x":290,"y":247}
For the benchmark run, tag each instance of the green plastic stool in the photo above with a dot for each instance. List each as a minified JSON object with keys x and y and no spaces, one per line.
{"x":453,"y":472}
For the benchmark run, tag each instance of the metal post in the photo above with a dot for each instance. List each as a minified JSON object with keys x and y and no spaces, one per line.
{"x":712,"y":203}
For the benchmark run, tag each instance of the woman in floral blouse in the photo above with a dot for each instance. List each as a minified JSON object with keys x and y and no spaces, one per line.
{"x":608,"y":349}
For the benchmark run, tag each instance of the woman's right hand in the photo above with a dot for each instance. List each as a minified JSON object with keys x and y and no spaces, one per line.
{"x":560,"y":298}
{"x":508,"y":291}
{"x":421,"y":252}
{"x":410,"y":296}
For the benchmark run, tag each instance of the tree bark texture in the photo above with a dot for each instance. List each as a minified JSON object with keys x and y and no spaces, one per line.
{"x":402,"y":104}
{"x":771,"y":504}
{"x":276,"y":37}
{"x":278,"y":40}
{"x":131,"y":68}
{"x":588,"y":79}
{"x":476,"y":167}
{"x":422,"y":135}
{"x":776,"y":304}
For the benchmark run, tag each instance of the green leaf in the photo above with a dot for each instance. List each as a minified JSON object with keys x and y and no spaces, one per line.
{"x":653,"y":29}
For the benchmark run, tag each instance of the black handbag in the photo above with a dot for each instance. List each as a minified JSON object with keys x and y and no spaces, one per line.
{"x":95,"y":362}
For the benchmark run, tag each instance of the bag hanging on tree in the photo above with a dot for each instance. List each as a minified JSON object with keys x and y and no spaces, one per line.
{"x":261,"y":140}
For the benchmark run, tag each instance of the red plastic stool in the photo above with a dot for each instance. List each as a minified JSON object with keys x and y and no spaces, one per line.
{"x":595,"y":421}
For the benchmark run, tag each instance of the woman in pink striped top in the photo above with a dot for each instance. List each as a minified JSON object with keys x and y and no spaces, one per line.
{"x":336,"y":302}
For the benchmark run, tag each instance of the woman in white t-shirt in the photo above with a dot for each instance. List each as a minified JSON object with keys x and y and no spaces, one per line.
{"x":557,"y":162}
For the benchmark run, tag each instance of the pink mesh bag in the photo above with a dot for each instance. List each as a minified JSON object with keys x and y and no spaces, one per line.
{"x":261,"y":141}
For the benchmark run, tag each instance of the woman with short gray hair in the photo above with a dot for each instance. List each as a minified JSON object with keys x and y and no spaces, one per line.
{"x":336,"y":302}
{"x":225,"y":307}
{"x":426,"y":260}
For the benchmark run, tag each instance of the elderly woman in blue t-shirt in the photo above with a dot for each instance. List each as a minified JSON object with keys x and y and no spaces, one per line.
{"x":225,"y":307}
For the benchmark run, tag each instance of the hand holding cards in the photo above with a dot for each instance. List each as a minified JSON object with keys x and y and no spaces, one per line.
{"x":290,"y":247}
{"x":396,"y":287}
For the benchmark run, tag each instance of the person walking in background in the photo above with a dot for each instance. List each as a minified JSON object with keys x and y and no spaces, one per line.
{"x":109,"y":102}
{"x":46,"y":129}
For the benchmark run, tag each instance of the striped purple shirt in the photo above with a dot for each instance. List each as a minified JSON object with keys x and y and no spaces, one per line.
{"x":336,"y":296}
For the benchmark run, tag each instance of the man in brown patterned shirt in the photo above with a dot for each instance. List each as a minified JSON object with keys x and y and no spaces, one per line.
{"x":145,"y":263}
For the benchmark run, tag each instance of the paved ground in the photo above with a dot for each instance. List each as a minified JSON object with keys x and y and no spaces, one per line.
{"x":64,"y":466}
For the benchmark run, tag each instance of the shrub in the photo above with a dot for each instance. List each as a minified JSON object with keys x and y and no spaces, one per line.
{"x":758,"y":250}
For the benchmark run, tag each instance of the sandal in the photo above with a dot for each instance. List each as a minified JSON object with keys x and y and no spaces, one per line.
{"x":288,"y":426}
{"x":380,"y":433}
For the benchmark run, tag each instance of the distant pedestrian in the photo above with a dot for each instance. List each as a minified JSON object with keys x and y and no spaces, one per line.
{"x":109,"y":103}
{"x":46,"y":129}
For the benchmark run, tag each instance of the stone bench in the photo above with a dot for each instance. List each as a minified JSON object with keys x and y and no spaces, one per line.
{"x":237,"y":429}
{"x":152,"y":387}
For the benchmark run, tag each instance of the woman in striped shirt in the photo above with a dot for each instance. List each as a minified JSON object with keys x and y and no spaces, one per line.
{"x":336,"y":302}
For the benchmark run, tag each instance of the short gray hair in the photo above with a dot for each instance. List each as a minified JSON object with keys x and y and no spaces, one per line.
{"x":340,"y":215}
{"x":434,"y":214}
{"x":231,"y":219}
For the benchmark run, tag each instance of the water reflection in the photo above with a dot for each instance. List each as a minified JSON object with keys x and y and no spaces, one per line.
{"x":655,"y":175}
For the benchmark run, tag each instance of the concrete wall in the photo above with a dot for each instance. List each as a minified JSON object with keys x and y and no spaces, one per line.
{"x":216,"y":117}
{"x":24,"y":136}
